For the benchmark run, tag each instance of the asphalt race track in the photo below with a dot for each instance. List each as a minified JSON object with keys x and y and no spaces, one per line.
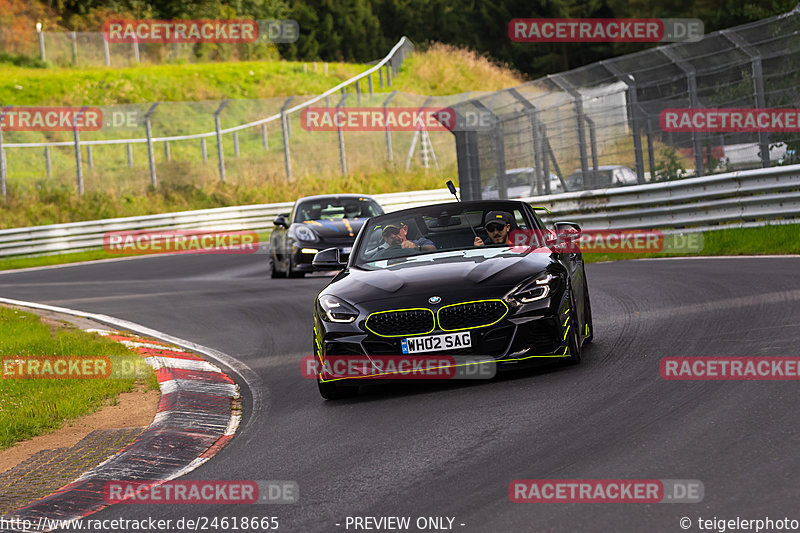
{"x":451,"y":449}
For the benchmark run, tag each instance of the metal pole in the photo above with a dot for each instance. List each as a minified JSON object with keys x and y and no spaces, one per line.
{"x":358,"y":91}
{"x":287,"y":161}
{"x":388,"y":75}
{"x":633,"y":114}
{"x":650,"y":153}
{"x":389,"y":154}
{"x":380,"y":78}
{"x":106,"y":51}
{"x":89,"y":159}
{"x":758,"y":87}
{"x":588,"y":181}
{"x":130,"y":155}
{"x":264,"y":140}
{"x":369,"y":80}
{"x":47,"y":162}
{"x":166,"y":151}
{"x":78,"y":167}
{"x":220,"y":155}
{"x":41,"y":45}
{"x":694,"y":103}
{"x":150,"y":155}
{"x":592,"y":143}
{"x":342,"y":154}
{"x":74,"y":38}
{"x":499,"y":150}
{"x":542,"y":181}
{"x":3,"y":171}
{"x":136,"y":50}
{"x":204,"y":150}
{"x":236,"y":144}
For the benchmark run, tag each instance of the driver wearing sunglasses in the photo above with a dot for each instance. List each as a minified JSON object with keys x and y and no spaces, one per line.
{"x":498,"y":226}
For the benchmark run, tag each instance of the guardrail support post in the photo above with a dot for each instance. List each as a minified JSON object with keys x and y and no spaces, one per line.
{"x":78,"y":167}
{"x":264,"y":139}
{"x":236,"y":144}
{"x":204,"y":150}
{"x":388,"y":75}
{"x":89,"y":158}
{"x":358,"y":91}
{"x":380,"y":78}
{"x":167,"y":154}
{"x":369,"y":84}
{"x":340,"y":133}
{"x":136,"y":50}
{"x":389,"y":154}
{"x":220,"y":155}
{"x":47,"y":162}
{"x":150,"y":155}
{"x":287,"y":161}
{"x":130,"y":155}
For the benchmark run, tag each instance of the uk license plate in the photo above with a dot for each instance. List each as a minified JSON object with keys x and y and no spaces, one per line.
{"x":347,"y":250}
{"x":435,"y":343}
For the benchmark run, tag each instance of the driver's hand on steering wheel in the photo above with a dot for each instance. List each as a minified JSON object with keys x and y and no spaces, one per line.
{"x":409,"y":244}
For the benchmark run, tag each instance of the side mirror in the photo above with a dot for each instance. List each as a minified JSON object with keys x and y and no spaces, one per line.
{"x":567,"y":226}
{"x":329,"y":259}
{"x":567,"y":235}
{"x":280,"y":220}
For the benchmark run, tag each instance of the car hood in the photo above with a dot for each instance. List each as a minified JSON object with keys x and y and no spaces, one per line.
{"x":462,"y":275}
{"x":342,"y":228}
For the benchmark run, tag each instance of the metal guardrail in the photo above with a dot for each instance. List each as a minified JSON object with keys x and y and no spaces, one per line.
{"x":746,"y":198}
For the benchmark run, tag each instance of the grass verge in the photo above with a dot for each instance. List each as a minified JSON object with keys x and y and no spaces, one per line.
{"x":30,"y":407}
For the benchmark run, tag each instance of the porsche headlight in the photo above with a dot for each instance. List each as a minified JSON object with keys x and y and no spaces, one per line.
{"x":305,"y":234}
{"x":333,"y":309}
{"x":536,"y":289}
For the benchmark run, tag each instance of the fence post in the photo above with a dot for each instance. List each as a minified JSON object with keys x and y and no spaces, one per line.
{"x":78,"y":168}
{"x":358,"y":91}
{"x":499,"y":150}
{"x":592,"y":142}
{"x":342,"y":154}
{"x":369,"y":83}
{"x":106,"y":51}
{"x":41,"y":40}
{"x":74,"y":37}
{"x":325,"y":68}
{"x":389,"y":154}
{"x":388,"y":75}
{"x":150,"y":155}
{"x":542,"y":181}
{"x":236,"y":144}
{"x":136,"y":50}
{"x":130,"y":155}
{"x":89,"y":159}
{"x":589,"y":182}
{"x":650,"y":153}
{"x":287,"y":161}
{"x":758,"y":87}
{"x":691,"y":81}
{"x":220,"y":155}
{"x":633,"y":114}
{"x":264,"y":140}
{"x":3,"y":171}
{"x":47,"y":162}
{"x":380,"y":78}
{"x":167,"y":155}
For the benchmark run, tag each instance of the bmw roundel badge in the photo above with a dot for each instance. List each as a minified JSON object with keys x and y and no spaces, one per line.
{"x":434,"y":299}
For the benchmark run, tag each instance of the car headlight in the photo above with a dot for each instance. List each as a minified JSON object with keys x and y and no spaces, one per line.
{"x":333,"y":309}
{"x":537,"y":289}
{"x":305,"y":234}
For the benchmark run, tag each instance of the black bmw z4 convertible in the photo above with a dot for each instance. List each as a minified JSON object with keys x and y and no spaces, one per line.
{"x":446,"y":281}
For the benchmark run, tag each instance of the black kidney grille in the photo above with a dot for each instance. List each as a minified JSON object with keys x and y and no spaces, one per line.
{"x":471,"y":315}
{"x":398,"y":323}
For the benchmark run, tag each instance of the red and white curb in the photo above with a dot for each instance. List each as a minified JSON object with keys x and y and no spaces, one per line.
{"x":198,"y":414}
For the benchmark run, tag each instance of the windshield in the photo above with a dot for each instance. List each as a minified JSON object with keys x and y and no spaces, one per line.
{"x":432,"y":231}
{"x":336,"y":208}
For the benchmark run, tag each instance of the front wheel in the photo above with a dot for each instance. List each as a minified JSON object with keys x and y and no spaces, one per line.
{"x":573,"y":334}
{"x":588,"y":318}
{"x":290,"y":270}
{"x":273,"y":271}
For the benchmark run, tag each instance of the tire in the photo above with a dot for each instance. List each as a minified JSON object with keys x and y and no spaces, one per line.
{"x":574,"y":335}
{"x":588,"y":316}
{"x":290,"y":271}
{"x":331,"y":391}
{"x":274,"y":273}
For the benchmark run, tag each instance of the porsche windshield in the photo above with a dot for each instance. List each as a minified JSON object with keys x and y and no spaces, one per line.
{"x":336,"y":208}
{"x":433,"y":231}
